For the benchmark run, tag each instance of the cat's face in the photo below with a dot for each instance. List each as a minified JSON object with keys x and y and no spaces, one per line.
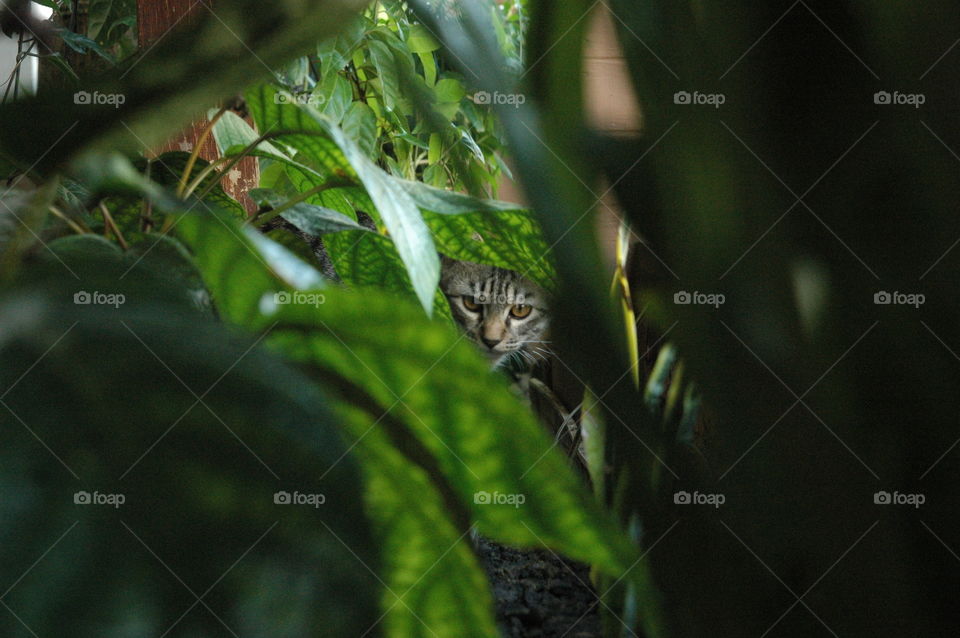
{"x":502,"y":312}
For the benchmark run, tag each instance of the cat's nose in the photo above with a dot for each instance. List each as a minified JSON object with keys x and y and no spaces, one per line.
{"x":490,"y":342}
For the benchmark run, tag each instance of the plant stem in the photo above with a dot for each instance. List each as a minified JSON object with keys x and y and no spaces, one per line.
{"x":72,"y":224}
{"x":112,"y":225}
{"x":290,"y":203}
{"x":209,"y":168}
{"x":196,"y":150}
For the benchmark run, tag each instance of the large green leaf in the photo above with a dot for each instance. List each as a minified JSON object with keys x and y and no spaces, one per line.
{"x":485,"y":231}
{"x":367,"y":259}
{"x":233,"y":134}
{"x":435,"y":587}
{"x":424,"y":363}
{"x":245,"y":266}
{"x":326,"y":143}
{"x":547,"y":139}
{"x":141,"y":451}
{"x":412,"y":371}
{"x":407,"y":369}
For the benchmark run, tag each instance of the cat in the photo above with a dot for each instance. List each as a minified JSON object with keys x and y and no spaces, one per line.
{"x":504,"y":313}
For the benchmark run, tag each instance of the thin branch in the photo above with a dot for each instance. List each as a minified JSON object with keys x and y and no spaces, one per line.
{"x":112,"y":225}
{"x":72,"y":224}
{"x":196,"y":150}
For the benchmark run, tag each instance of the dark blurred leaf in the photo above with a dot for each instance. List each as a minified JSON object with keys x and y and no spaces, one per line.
{"x":82,"y":44}
{"x":187,"y":71}
{"x":199,"y":516}
{"x":21,"y":218}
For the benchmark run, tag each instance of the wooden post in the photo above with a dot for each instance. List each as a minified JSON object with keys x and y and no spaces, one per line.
{"x":155,"y":19}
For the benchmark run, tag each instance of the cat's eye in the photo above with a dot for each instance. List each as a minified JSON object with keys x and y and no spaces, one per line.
{"x":470,"y":303}
{"x":520,"y":311}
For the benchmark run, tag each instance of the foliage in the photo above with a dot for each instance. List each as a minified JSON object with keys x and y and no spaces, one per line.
{"x":817,"y":388}
{"x":822,"y":397}
{"x":385,"y":82}
{"x":194,"y":273}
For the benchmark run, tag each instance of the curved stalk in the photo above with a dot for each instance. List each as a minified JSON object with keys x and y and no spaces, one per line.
{"x":196,"y":150}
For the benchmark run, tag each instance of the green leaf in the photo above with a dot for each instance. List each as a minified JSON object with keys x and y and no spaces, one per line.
{"x":415,"y":367}
{"x":317,"y":220}
{"x":360,"y":125}
{"x":485,"y":231}
{"x":112,"y":523}
{"x":336,"y":96}
{"x":241,"y":266}
{"x":436,"y":148}
{"x":115,"y":174}
{"x":22,"y":214}
{"x":420,"y":40}
{"x":312,"y":219}
{"x":98,"y":12}
{"x":233,"y":134}
{"x":327,"y":144}
{"x":383,"y":60}
{"x":296,"y":73}
{"x":82,"y":44}
{"x":450,"y":90}
{"x":307,"y":136}
{"x":429,"y":68}
{"x":436,"y":587}
{"x":335,"y":53}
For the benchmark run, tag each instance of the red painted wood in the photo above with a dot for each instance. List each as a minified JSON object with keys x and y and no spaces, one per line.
{"x":155,"y":19}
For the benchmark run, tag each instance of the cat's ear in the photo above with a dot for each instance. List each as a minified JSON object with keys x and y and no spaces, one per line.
{"x":447,"y":268}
